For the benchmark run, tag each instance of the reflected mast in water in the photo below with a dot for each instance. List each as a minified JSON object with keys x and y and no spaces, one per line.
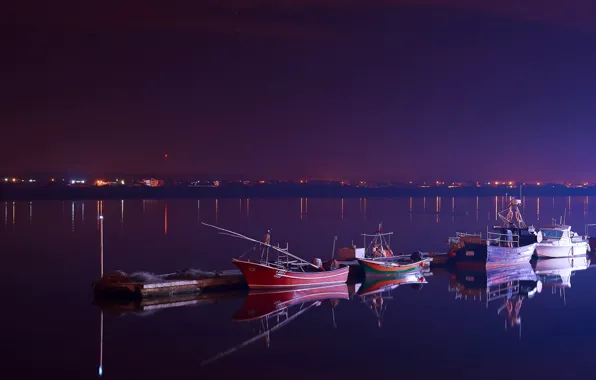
{"x":165,"y":219}
{"x":83,"y":212}
{"x":477,"y":208}
{"x":511,"y":284}
{"x":199,"y":209}
{"x":538,"y":208}
{"x":30,"y":212}
{"x":216,"y":211}
{"x":342,"y":208}
{"x":374,"y":292}
{"x":72,"y":216}
{"x":122,"y":213}
{"x":5,"y":214}
{"x":272,"y":310}
{"x":13,"y":213}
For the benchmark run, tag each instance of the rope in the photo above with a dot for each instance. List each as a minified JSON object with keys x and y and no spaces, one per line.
{"x":253,"y":248}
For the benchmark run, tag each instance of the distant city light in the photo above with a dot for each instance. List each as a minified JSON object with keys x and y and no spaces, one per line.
{"x":5,"y":179}
{"x":165,"y":155}
{"x":73,"y":181}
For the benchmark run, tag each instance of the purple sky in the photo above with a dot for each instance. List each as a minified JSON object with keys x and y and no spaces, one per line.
{"x":331,"y":89}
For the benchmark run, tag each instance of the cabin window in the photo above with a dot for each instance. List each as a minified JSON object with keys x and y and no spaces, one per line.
{"x":552,"y":234}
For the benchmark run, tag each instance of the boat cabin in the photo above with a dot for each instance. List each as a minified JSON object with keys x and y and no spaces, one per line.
{"x":561,"y":233}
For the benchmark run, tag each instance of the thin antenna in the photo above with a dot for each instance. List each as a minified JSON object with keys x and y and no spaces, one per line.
{"x":333,"y":251}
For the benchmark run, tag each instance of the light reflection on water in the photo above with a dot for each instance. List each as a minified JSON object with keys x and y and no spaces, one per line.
{"x":459,"y":320}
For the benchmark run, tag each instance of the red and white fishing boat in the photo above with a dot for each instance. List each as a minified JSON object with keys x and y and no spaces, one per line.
{"x":283,"y":269}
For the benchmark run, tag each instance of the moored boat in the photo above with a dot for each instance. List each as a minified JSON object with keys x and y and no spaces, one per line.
{"x":389,"y":267}
{"x":262,"y":275}
{"x":282,"y":269}
{"x":510,"y":244}
{"x":559,"y":241}
{"x":380,"y":260}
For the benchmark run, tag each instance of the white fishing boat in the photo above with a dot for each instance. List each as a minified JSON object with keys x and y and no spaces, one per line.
{"x":559,"y":241}
{"x":512,"y":243}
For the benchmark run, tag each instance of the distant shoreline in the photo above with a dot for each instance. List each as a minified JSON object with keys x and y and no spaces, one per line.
{"x":8,"y":193}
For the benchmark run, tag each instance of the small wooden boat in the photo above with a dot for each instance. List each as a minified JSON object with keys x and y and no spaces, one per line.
{"x":389,"y":267}
{"x":283,"y":269}
{"x":380,"y":260}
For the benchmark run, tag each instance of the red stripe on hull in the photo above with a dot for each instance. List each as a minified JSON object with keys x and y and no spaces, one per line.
{"x":259,"y":276}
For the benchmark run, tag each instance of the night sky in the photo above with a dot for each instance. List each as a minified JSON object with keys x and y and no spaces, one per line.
{"x":397,"y":90}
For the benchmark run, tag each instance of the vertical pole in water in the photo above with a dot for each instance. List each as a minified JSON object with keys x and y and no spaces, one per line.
{"x":101,"y":246}
{"x":100,"y":369}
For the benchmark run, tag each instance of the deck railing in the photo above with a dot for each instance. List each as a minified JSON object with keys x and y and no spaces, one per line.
{"x":502,"y":240}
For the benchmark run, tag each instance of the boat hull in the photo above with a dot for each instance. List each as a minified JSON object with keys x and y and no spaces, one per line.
{"x":496,"y":256}
{"x":388,"y":268}
{"x":554,"y":251}
{"x":260,"y":276}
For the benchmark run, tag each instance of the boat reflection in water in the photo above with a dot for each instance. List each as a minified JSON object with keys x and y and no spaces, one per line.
{"x":556,"y":273}
{"x":270,"y":310}
{"x":375,"y":291}
{"x":509,"y":285}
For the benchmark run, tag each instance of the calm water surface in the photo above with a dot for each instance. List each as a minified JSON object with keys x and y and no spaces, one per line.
{"x":51,"y":327}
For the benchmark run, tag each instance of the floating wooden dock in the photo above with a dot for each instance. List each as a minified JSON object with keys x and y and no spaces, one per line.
{"x":143,"y":284}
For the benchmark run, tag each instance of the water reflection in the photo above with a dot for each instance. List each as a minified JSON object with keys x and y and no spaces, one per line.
{"x":72,"y":216}
{"x":5,"y":214}
{"x":556,"y":273}
{"x":509,"y":286}
{"x":30,"y":212}
{"x":199,"y":209}
{"x":165,"y":219}
{"x":342,"y":208}
{"x":122,"y":213}
{"x":268,"y":311}
{"x":503,"y":291}
{"x":477,"y":208}
{"x":374,"y":292}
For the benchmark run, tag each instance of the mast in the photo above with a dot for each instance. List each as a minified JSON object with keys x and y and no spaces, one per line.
{"x":240,"y":236}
